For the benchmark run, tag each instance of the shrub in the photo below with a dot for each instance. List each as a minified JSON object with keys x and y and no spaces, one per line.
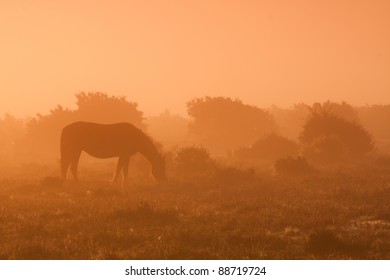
{"x":193,"y":161}
{"x":328,"y":138}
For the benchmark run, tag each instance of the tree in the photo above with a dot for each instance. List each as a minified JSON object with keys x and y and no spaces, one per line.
{"x":41,"y":140}
{"x":99,"y":107}
{"x":329,"y":138}
{"x":342,"y":110}
{"x":193,"y":161}
{"x":221,"y":123}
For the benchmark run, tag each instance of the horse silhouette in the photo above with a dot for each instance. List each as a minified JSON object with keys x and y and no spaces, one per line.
{"x":105,"y":141}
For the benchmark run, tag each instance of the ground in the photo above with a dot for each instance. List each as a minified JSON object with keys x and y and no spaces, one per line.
{"x":231,"y":215}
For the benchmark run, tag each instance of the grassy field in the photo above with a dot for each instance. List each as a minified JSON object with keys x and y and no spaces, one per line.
{"x":232,"y":214}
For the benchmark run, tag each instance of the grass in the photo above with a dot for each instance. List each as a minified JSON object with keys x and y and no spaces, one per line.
{"x":323,"y":216}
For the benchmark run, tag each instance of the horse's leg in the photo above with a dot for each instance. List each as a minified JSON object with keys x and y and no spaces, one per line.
{"x":74,"y":164}
{"x":65,"y":162}
{"x":119,"y":167}
{"x":125,"y":169}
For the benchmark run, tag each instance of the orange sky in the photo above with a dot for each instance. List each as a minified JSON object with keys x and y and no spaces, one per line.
{"x":163,"y":53}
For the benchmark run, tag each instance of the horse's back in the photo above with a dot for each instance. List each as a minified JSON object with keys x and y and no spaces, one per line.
{"x":90,"y":128}
{"x":102,"y":140}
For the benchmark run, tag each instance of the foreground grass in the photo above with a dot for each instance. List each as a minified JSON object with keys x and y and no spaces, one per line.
{"x":248,"y":217}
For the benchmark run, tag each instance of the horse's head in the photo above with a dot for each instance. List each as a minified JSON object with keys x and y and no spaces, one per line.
{"x":158,"y":170}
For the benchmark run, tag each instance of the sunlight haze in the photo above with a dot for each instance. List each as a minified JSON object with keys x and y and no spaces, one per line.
{"x":161,"y":54}
{"x":195,"y":130}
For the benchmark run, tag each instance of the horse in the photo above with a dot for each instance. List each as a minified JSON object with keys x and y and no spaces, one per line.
{"x":120,"y":140}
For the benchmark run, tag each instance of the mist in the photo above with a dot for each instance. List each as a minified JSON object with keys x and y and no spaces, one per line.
{"x":228,"y":128}
{"x":194,"y":130}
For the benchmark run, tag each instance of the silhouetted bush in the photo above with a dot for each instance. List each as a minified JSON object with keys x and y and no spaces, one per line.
{"x":291,"y":120}
{"x":294,"y":166}
{"x":328,"y":138}
{"x":192,"y":161}
{"x":223,"y":124}
{"x":269,"y":148}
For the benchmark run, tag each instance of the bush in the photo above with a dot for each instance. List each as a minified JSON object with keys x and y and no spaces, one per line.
{"x":191,"y":161}
{"x":329,"y":138}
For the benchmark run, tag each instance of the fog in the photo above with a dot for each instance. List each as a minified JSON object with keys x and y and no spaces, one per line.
{"x":255,"y":129}
{"x":228,"y":129}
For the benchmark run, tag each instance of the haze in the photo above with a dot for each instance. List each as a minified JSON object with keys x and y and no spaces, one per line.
{"x":161,"y":54}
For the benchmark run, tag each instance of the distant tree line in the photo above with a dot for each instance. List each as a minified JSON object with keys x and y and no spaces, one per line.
{"x":321,"y":132}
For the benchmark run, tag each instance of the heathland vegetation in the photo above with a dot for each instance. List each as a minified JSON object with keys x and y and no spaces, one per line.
{"x":307,"y":182}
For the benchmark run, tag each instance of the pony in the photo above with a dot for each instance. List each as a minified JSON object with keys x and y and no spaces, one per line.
{"x":120,"y":140}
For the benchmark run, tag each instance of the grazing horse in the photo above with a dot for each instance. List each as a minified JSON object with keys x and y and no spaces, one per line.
{"x":105,"y":141}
